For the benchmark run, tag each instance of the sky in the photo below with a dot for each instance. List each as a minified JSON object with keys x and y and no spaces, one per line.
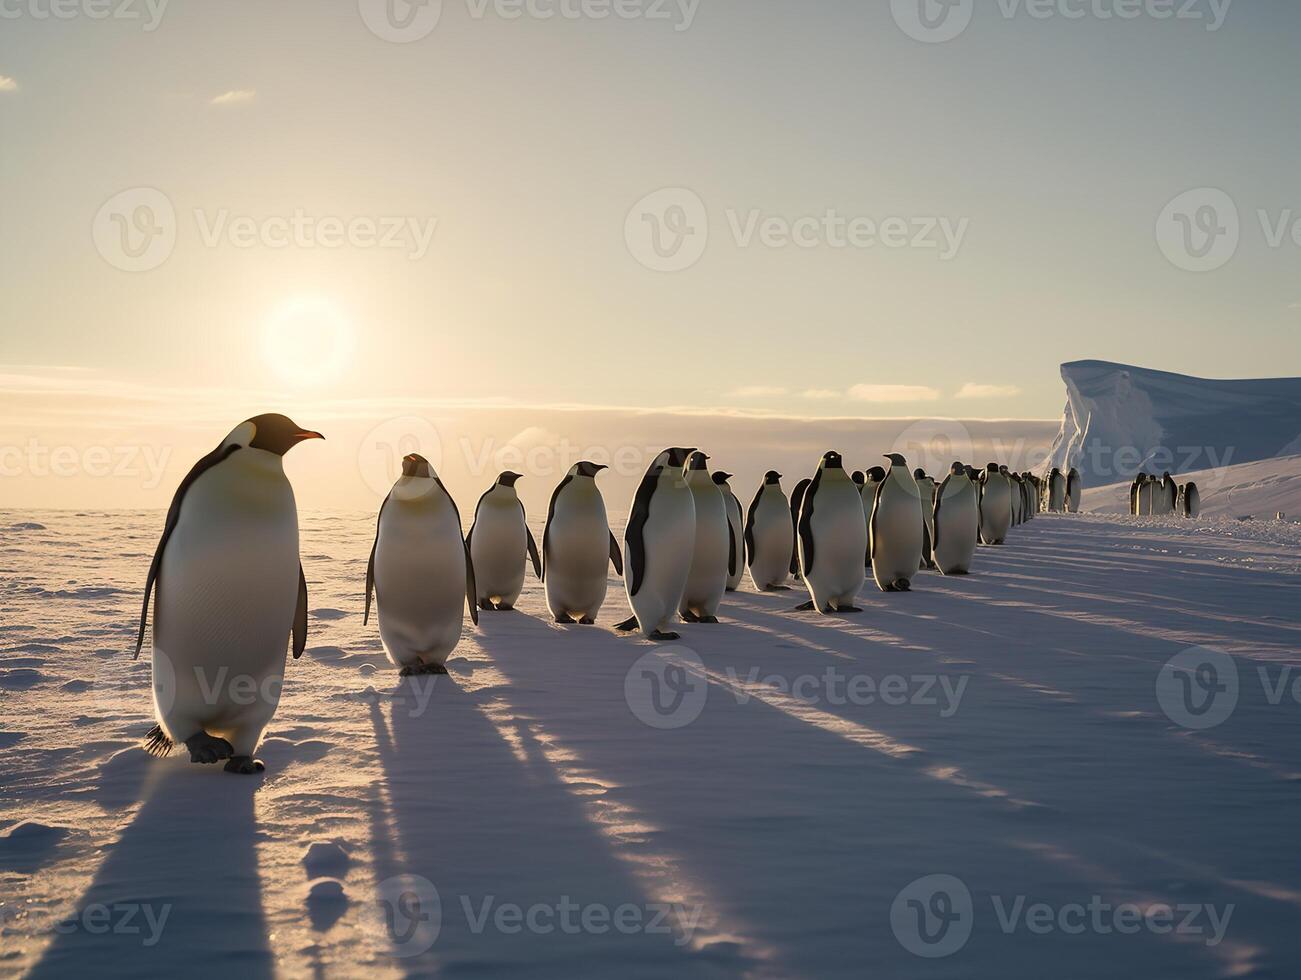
{"x":474,"y":212}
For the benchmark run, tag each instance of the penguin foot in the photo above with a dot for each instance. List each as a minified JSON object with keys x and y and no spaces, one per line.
{"x":415,"y":670}
{"x":659,"y":636}
{"x":709,"y":620}
{"x":628,"y":625}
{"x":902,"y":585}
{"x":729,"y":589}
{"x":206,"y":749}
{"x":848,"y":609}
{"x":564,"y":620}
{"x":809,"y":606}
{"x":778,"y":588}
{"x":157,"y":743}
{"x":505,"y":607}
{"x":958,"y":571}
{"x":587,"y":621}
{"x":245,"y":765}
{"x":487,"y":606}
{"x":689,"y":617}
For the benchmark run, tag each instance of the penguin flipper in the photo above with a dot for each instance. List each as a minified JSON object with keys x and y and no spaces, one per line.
{"x":533,"y":552}
{"x":731,"y":547}
{"x":749,"y":527}
{"x":471,"y":589}
{"x":633,"y":534}
{"x":173,"y":516}
{"x":300,"y":615}
{"x":370,"y":565}
{"x":615,"y":556}
{"x":806,"y":522}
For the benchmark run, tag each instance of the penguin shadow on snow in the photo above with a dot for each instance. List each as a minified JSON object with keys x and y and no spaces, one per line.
{"x":469,"y":804}
{"x":183,"y":872}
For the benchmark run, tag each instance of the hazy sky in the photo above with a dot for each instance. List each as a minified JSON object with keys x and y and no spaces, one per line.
{"x":319,"y":215}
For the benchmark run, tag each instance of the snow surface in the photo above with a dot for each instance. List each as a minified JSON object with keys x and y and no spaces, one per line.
{"x":1121,"y":419}
{"x":1260,"y":490}
{"x":788,"y":821}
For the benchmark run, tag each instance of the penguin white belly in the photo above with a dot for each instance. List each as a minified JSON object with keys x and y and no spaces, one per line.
{"x":958,"y":526}
{"x":419,"y":582}
{"x":668,"y":543}
{"x":839,"y":544}
{"x":771,"y":561}
{"x":707,"y":580}
{"x":995,"y":511}
{"x":578,"y":551}
{"x":897,"y":535}
{"x":498,"y":548}
{"x":224,"y":609}
{"x":736,"y":542}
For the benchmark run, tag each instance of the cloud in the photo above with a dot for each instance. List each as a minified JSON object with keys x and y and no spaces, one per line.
{"x":894,"y":393}
{"x":235,"y":96}
{"x":8,"y":84}
{"x":822,"y":393}
{"x":973,"y":390}
{"x":757,"y":391}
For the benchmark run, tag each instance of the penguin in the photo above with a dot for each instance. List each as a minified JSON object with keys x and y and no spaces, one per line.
{"x":896,"y":533}
{"x":658,"y":546}
{"x":1133,"y":494}
{"x":859,"y":478}
{"x":1146,"y":494}
{"x":707,"y":580}
{"x":769,"y":535}
{"x":576,"y":545}
{"x":832,"y":538}
{"x":499,"y":536}
{"x":1168,"y":492}
{"x":1192,"y":501}
{"x":420,"y":571}
{"x":1074,"y":491}
{"x":1056,"y":491}
{"x":228,"y":594}
{"x":1018,"y":516}
{"x":872,"y":479}
{"x":735,"y":530}
{"x":797,"y":498}
{"x":957,"y":522}
{"x":926,"y":491}
{"x":995,"y":506}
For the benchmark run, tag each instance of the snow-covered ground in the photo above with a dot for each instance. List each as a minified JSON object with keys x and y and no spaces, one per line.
{"x":1261,"y":490}
{"x":534,"y":815}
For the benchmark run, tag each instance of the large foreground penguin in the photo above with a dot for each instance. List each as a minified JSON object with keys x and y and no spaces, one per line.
{"x":768,"y":535}
{"x":228,"y":591}
{"x":707,"y":580}
{"x":658,"y":545}
{"x":420,"y":571}
{"x":995,"y":505}
{"x":833,"y":538}
{"x":735,"y":527}
{"x":957,"y":522}
{"x":576,"y":546}
{"x":498,"y":539}
{"x":897,"y":528}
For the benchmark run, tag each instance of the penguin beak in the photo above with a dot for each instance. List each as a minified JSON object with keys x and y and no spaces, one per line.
{"x":307,"y":434}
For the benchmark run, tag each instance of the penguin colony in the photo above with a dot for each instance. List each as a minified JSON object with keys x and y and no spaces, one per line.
{"x":1150,"y":496}
{"x":687,"y":542}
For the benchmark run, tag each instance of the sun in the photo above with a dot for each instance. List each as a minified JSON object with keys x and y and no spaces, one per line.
{"x":308,"y":340}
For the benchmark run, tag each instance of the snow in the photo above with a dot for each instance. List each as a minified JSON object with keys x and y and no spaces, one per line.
{"x":1259,"y":490}
{"x":1120,"y":419}
{"x":775,"y":825}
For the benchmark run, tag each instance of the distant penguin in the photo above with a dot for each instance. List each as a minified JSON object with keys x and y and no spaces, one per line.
{"x":872,"y":479}
{"x":420,"y":571}
{"x":228,"y":593}
{"x":1074,"y":491}
{"x":1133,"y":493}
{"x":896,"y":534}
{"x":498,"y":539}
{"x":768,"y":535}
{"x":956,"y":521}
{"x":577,"y":544}
{"x":859,"y":478}
{"x":797,"y":498}
{"x":659,"y":542}
{"x":1018,"y":501}
{"x":995,"y":506}
{"x":1146,"y":495}
{"x":926,"y":491}
{"x":1056,"y":491}
{"x":832,"y":538}
{"x":707,"y":580}
{"x":1168,"y":491}
{"x":735,"y":530}
{"x":1192,"y":500}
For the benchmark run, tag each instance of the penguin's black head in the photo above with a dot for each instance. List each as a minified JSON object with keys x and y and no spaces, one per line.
{"x":678,"y":456}
{"x":992,"y":468}
{"x":957,"y":469}
{"x":1003,"y":470}
{"x":698,"y":461}
{"x":1190,"y":486}
{"x":1165,"y":476}
{"x":832,"y":460}
{"x":278,"y":433}
{"x":413,"y":464}
{"x":586,"y":468}
{"x":919,"y":474}
{"x":896,"y":459}
{"x":859,"y":477}
{"x":507,"y":479}
{"x":772,"y":476}
{"x":876,"y":474}
{"x":720,"y":477}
